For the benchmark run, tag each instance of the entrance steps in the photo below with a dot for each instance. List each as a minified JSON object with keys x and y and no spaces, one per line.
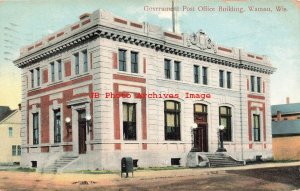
{"x":58,"y":164}
{"x":203,"y":159}
{"x":223,"y":160}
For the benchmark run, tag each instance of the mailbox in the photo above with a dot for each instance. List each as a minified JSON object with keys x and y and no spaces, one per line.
{"x":126,"y":166}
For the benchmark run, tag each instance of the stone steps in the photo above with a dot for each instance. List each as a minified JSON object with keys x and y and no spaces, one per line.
{"x":61,"y":162}
{"x":222,"y":160}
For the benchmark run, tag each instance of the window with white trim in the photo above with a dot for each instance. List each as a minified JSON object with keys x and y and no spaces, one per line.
{"x":122,"y":60}
{"x":35,"y":128}
{"x":129,"y":121}
{"x":172,"y":120}
{"x":256,"y":127}
{"x":57,"y":126}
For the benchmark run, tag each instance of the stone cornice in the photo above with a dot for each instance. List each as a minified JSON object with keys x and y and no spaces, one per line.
{"x":140,"y":40}
{"x":53,"y":49}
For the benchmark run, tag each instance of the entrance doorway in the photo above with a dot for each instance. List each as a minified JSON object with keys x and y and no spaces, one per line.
{"x":81,"y":131}
{"x":201,"y":132}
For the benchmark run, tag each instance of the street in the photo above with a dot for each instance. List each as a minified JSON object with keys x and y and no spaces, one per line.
{"x":285,"y":176}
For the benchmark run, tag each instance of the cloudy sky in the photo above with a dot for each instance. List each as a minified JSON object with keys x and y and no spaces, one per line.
{"x":276,"y":33}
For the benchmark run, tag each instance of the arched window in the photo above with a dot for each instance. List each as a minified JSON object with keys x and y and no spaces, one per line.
{"x":172,"y":120}
{"x":225,"y":120}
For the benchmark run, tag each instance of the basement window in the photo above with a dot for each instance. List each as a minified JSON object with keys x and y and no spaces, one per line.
{"x":33,"y":164}
{"x":135,"y":163}
{"x":175,"y":161}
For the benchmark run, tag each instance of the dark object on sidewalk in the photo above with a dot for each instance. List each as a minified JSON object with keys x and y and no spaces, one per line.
{"x":126,"y":166}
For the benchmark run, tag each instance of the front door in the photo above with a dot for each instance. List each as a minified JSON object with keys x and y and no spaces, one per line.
{"x":201,"y":132}
{"x":81,"y":132}
{"x":200,"y":138}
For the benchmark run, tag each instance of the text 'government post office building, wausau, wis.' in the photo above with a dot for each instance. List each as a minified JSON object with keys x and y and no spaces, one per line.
{"x":153,"y":121}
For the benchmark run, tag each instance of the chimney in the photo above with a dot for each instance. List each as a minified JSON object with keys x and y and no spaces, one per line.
{"x":287,"y":100}
{"x":278,"y":116}
{"x":19,"y":106}
{"x":84,"y":15}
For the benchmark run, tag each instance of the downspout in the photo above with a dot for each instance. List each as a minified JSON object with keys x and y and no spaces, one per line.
{"x":241,"y":110}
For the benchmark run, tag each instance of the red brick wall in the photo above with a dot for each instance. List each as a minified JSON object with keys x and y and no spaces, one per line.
{"x":116,"y":114}
{"x":116,"y":106}
{"x":68,"y":68}
{"x":60,"y":85}
{"x":44,"y":149}
{"x":263,"y":117}
{"x":45,"y":138}
{"x":67,"y":112}
{"x":129,"y":78}
{"x":45,"y":76}
{"x":115,"y":60}
{"x":68,"y":148}
{"x":67,"y":95}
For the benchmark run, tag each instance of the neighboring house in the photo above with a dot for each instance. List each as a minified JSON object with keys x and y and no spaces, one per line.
{"x":286,"y":131}
{"x":106,"y":54}
{"x":10,"y":125}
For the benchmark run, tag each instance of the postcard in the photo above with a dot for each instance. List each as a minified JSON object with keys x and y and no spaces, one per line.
{"x":149,"y":95}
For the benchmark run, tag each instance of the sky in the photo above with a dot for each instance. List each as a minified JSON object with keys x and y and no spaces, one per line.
{"x":275,"y":34}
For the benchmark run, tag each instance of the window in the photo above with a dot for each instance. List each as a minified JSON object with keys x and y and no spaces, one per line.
{"x":85,"y":61}
{"x":172,"y":120}
{"x":52,"y":72}
{"x":134,"y":62}
{"x":175,"y":161}
{"x":200,"y":113}
{"x":221,"y":78}
{"x":59,"y":69}
{"x":225,"y":120}
{"x":177,"y":70}
{"x":256,"y":127}
{"x":204,"y":75}
{"x":14,"y":150}
{"x":258,"y":84}
{"x":35,"y":77}
{"x":19,"y":150}
{"x":32,"y":78}
{"x":252,"y":79}
{"x":129,"y":121}
{"x":122,"y":60}
{"x":76,"y":59}
{"x":57,"y":126}
{"x":35,"y":131}
{"x":38,"y":76}
{"x":10,"y":131}
{"x":167,"y":69}
{"x":196,"y":74}
{"x":229,"y":80}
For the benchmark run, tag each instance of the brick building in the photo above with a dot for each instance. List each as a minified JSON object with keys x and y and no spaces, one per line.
{"x":109,"y":55}
{"x":286,"y":131}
